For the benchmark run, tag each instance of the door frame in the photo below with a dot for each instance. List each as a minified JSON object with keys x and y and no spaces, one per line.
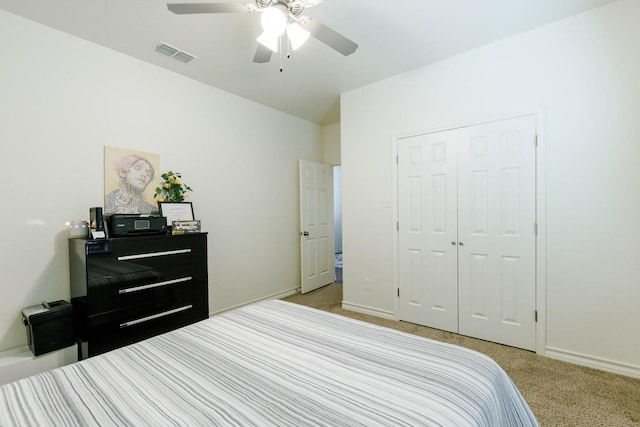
{"x":540,"y":214}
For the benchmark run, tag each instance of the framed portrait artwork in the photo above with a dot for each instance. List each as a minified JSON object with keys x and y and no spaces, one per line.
{"x":182,"y":211}
{"x":128,"y":181}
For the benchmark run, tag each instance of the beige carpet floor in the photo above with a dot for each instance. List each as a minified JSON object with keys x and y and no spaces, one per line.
{"x":558,"y":393}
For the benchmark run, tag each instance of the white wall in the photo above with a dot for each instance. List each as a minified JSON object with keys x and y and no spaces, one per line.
{"x":63,"y":99}
{"x":331,"y":140}
{"x":584,"y":72}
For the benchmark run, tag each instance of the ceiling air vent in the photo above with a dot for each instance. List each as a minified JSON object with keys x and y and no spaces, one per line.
{"x":183,"y":57}
{"x":174,"y":52}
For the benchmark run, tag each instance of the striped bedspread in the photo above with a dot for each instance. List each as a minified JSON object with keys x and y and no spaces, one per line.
{"x":273,"y":364}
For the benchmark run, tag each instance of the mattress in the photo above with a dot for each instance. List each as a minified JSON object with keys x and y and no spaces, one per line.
{"x":273,"y":363}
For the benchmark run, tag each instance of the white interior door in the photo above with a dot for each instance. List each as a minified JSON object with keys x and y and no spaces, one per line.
{"x":316,"y":226}
{"x":427,"y":227}
{"x":496,"y":231}
{"x":466,"y":209}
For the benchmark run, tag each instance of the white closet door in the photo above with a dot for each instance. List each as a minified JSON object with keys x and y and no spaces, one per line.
{"x":496,"y":231}
{"x":427,"y":227}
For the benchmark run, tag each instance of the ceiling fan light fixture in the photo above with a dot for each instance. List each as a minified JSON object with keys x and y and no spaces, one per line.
{"x":297,"y":35}
{"x":274,"y":20}
{"x":269,"y":40}
{"x":277,"y":16}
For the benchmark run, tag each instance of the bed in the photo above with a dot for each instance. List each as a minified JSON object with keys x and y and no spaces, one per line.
{"x":273,"y":363}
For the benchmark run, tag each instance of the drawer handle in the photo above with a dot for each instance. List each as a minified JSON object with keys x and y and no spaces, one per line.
{"x":154,"y":285}
{"x":153,"y":254}
{"x":155,"y":316}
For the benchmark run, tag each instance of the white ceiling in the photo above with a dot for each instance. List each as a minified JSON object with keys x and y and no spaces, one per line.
{"x":394,"y":36}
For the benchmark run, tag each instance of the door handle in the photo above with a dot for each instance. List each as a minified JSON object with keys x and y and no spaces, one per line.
{"x":304,"y":233}
{"x":453,"y":242}
{"x":461,"y":243}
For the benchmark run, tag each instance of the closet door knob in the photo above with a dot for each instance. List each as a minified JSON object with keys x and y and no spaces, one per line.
{"x":461,"y":243}
{"x":453,"y":242}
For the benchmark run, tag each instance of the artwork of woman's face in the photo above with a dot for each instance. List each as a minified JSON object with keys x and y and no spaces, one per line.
{"x":139,"y":175}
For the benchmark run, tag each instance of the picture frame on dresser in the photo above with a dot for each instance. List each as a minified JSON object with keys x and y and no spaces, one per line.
{"x":182,"y":211}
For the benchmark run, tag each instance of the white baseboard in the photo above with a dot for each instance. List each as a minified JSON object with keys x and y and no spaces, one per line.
{"x":593,"y":362}
{"x":278,"y":295}
{"x":20,"y":362}
{"x":367,"y":310}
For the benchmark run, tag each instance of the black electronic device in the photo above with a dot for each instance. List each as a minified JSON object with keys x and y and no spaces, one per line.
{"x":132,"y":224}
{"x":49,"y":326}
{"x":96,"y":222}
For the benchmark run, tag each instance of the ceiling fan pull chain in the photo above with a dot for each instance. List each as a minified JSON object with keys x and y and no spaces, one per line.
{"x":280,"y":52}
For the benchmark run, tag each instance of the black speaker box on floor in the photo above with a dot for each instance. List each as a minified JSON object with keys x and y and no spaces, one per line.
{"x":49,"y":327}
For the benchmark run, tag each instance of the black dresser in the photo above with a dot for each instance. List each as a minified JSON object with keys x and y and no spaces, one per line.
{"x":127,"y":289}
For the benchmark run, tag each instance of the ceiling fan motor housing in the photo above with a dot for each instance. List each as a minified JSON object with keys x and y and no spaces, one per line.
{"x":294,"y":7}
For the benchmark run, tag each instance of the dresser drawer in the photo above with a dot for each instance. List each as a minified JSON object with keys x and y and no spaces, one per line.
{"x":155,"y":307}
{"x":107,"y":335}
{"x":109,"y":291}
{"x":152,"y":303}
{"x":150,"y":252}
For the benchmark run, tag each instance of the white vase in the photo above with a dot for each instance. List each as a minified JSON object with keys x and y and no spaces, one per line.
{"x":78,"y":229}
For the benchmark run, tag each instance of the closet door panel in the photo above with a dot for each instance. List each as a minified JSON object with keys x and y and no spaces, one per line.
{"x":496,"y":219}
{"x":427,"y":227}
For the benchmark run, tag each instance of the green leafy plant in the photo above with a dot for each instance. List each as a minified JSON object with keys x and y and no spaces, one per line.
{"x":173,"y":189}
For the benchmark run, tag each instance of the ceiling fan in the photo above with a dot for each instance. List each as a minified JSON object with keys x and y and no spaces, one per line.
{"x":279,"y":17}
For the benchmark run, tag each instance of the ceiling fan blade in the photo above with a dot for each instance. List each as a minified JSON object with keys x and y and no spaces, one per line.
{"x":263,"y":54}
{"x":182,"y":8}
{"x":329,"y":37}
